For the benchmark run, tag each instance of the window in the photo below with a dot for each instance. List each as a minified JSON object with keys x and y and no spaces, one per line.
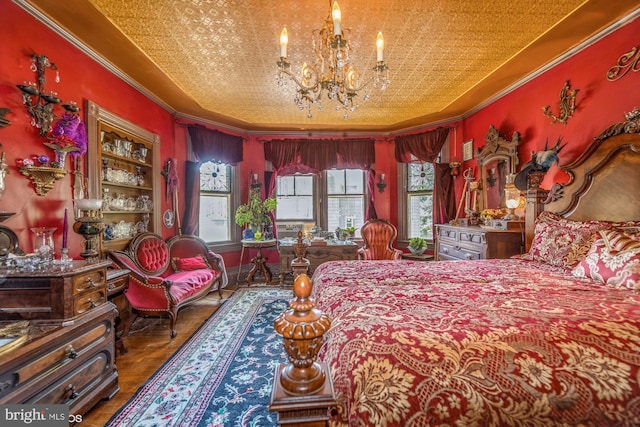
{"x":216,"y":203}
{"x":336,"y":200}
{"x":419,"y":179}
{"x":345,"y":198}
{"x":295,"y":197}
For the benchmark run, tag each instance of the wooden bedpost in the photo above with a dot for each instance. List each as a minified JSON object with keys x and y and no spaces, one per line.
{"x":535,"y":205}
{"x":300,"y":265}
{"x":302,"y":390}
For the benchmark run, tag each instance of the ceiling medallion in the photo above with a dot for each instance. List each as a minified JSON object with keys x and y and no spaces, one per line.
{"x":332,"y":73}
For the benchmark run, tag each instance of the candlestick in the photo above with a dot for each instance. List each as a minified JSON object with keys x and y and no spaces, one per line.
{"x":65,"y":229}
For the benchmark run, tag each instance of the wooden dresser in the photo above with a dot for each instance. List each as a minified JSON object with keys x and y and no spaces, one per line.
{"x":468,"y":243}
{"x":316,"y":255}
{"x":68,"y":355}
{"x":53,"y":294}
{"x":70,"y":363}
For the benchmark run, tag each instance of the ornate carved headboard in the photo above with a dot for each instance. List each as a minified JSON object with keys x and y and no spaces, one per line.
{"x":604,"y":181}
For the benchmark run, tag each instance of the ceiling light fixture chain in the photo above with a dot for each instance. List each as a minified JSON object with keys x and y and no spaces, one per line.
{"x":332,"y":73}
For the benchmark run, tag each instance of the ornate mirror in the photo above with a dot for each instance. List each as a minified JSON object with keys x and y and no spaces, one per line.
{"x":496,"y":160}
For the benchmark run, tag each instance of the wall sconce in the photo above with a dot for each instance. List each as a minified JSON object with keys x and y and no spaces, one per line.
{"x":381,"y":183}
{"x":254,"y":181}
{"x":38,"y":100}
{"x":455,"y":168}
{"x":491,"y":179}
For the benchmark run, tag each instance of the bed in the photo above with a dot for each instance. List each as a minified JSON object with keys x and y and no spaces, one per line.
{"x":549,"y":338}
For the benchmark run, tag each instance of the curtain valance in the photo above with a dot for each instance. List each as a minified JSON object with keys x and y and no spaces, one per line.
{"x":208,"y":144}
{"x":424,"y":146}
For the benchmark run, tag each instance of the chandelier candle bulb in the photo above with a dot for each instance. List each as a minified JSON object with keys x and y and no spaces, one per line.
{"x":380,"y":47}
{"x":284,"y":40}
{"x":337,"y":19}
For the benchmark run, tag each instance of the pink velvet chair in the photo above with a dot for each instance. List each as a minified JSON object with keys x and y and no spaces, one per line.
{"x":166,"y":276}
{"x":378,"y":236}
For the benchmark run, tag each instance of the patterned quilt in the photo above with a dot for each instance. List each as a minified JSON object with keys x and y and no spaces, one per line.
{"x":478,"y":343}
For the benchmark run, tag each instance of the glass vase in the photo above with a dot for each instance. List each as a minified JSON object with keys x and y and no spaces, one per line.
{"x":43,"y":241}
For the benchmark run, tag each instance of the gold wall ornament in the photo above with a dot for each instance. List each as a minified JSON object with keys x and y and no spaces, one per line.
{"x":629,"y":61}
{"x":43,"y":177}
{"x":567,"y":105}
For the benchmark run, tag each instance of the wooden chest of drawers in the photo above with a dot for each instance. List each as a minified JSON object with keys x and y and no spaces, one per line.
{"x":55,"y":294}
{"x":69,"y":363}
{"x":468,"y":243}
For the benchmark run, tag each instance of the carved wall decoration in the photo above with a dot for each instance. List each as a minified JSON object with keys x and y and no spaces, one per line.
{"x":3,"y":121}
{"x":629,"y":61}
{"x":567,"y":105}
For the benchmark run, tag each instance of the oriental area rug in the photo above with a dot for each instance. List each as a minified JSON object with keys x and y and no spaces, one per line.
{"x":223,"y":374}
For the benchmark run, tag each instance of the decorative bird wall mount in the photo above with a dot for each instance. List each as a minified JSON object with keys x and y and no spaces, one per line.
{"x":567,"y":105}
{"x":540,"y":162}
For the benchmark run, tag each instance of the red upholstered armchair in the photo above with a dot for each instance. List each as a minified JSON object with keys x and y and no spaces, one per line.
{"x":166,"y":276}
{"x":378,"y":236}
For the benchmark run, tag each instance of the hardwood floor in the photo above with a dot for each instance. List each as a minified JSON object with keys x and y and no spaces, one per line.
{"x":148,"y":347}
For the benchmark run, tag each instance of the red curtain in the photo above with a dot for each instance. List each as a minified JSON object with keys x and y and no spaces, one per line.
{"x":424,"y":147}
{"x":207,"y":144}
{"x":444,"y":203}
{"x":315,"y":156}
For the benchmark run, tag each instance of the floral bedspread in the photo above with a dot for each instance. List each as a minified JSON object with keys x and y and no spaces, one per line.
{"x":478,"y":343}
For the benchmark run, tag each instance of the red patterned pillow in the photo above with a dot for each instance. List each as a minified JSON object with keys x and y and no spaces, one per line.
{"x":197,"y":262}
{"x":561,"y":242}
{"x":614,"y":259}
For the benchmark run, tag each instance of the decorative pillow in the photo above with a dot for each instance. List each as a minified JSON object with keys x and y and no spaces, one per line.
{"x":198,"y":262}
{"x":614,"y":259}
{"x":561,"y":242}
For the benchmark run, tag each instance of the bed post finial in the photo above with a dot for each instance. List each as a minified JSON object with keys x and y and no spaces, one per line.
{"x":302,"y":392}
{"x":302,"y":328}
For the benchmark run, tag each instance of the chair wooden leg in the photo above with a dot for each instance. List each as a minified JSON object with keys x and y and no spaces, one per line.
{"x":173,"y":317}
{"x":130,"y":321}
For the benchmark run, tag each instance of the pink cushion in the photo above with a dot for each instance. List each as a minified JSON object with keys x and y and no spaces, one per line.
{"x":561,"y":242}
{"x":614,"y":259}
{"x":197,"y":262}
{"x":188,"y":283}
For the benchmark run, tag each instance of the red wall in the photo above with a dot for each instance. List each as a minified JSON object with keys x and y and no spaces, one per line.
{"x":81,"y":79}
{"x":599,"y":102}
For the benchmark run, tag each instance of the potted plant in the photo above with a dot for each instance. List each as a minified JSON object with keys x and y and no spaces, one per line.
{"x":254,"y":215}
{"x":417,"y":245}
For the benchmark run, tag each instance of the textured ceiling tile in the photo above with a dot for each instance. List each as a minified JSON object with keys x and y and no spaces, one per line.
{"x":223,"y":54}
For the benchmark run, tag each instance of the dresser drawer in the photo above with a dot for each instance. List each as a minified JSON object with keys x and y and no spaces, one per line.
{"x":89,"y":280}
{"x":77,"y":382}
{"x":453,"y":252}
{"x":86,"y":302}
{"x":59,"y":354}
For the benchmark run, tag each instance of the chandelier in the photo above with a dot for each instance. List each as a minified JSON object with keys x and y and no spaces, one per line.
{"x":332,"y":73}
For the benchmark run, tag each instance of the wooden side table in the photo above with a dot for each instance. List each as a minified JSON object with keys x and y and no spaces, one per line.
{"x":259,"y":261}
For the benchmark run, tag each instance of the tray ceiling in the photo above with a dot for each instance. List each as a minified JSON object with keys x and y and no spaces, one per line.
{"x":216,"y":59}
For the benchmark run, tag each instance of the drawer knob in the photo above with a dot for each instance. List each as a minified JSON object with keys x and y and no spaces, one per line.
{"x":445,"y":250}
{"x":92,"y":303}
{"x":71,"y":352}
{"x":71,"y":389}
{"x":468,"y":256}
{"x":91,"y":283}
